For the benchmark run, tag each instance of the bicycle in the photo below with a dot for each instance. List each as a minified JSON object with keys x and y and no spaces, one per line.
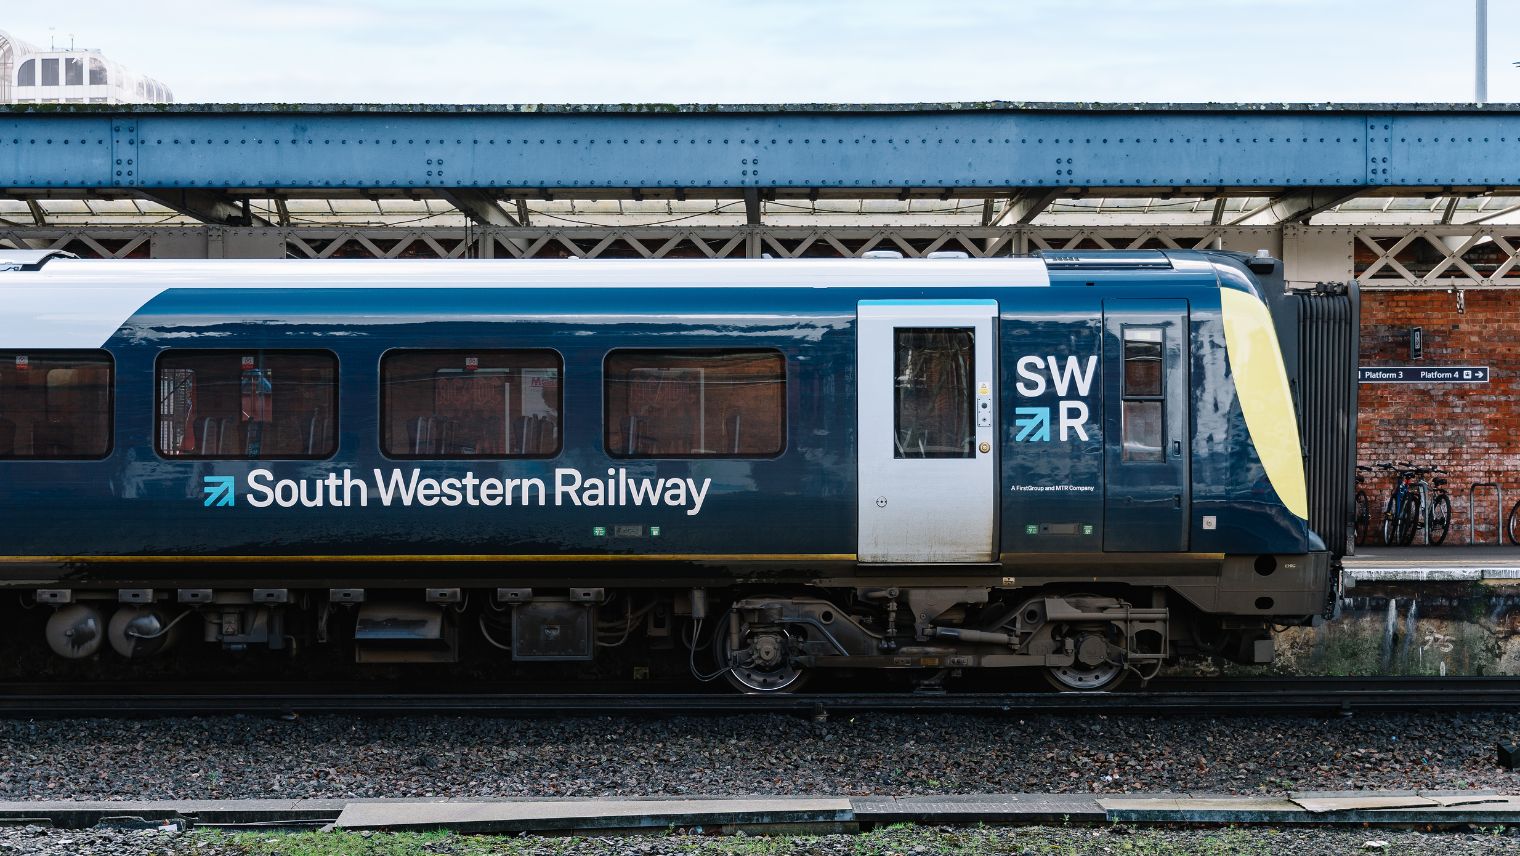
{"x":1362,"y":527}
{"x":1439,"y":519}
{"x":1401,"y":514}
{"x":1512,"y":525}
{"x":1405,"y":514}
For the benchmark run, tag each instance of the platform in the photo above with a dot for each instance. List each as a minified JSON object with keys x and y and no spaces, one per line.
{"x":780,"y":814}
{"x":1443,"y":563}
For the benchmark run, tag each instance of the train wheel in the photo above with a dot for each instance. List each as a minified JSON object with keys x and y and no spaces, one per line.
{"x":1092,"y":671}
{"x":762,"y":664}
{"x":1086,"y":679}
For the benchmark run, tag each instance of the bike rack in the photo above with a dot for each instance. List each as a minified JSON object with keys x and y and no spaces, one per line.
{"x":1472,"y":517}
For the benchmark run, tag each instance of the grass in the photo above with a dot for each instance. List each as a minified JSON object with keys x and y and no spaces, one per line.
{"x":905,"y":840}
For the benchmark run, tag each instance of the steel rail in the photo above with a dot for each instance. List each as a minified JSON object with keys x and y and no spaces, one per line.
{"x":1343,"y":696}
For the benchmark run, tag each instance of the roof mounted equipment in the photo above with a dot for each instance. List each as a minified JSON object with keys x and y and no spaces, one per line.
{"x":30,"y":259}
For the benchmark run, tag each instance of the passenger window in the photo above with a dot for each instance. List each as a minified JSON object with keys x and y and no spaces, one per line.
{"x":470,"y":404}
{"x":247,"y":404}
{"x":50,"y":72}
{"x":73,"y":71}
{"x":98,"y":75}
{"x":55,"y":404}
{"x":27,"y":74}
{"x":932,"y":402}
{"x":1143,"y":410}
{"x":695,"y":404}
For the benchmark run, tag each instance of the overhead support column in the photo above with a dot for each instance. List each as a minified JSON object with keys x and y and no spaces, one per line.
{"x":1295,"y":206}
{"x":207,"y":206}
{"x":754,"y":241}
{"x":480,"y":207}
{"x":1024,"y":206}
{"x":487,"y":210}
{"x":1020,"y":210}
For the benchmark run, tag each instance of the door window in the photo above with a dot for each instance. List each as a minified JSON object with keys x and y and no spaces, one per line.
{"x":1143,"y":417}
{"x":932,"y":403}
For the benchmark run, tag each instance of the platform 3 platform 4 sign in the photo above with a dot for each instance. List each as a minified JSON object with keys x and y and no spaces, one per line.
{"x":1422,"y":374}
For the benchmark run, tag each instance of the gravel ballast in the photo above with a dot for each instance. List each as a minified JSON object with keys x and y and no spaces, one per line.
{"x":345,"y":757}
{"x":902,"y":841}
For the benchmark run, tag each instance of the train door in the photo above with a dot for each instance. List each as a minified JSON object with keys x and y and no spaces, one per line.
{"x":1145,"y":425}
{"x":927,"y":378}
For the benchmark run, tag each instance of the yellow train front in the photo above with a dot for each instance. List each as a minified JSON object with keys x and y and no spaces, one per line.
{"x":1086,"y":464}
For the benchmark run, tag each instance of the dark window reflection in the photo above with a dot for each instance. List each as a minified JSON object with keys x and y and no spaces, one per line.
{"x":252,"y":405}
{"x":695,"y":404}
{"x":55,"y":404}
{"x":470,"y":404}
{"x":932,"y":403}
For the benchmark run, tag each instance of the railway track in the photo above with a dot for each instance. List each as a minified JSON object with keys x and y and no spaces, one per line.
{"x":1343,"y":696}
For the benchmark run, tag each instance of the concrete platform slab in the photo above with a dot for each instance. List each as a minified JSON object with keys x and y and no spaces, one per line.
{"x":763,"y":814}
{"x":79,"y":814}
{"x":1444,"y":563}
{"x":595,"y":814}
{"x":988,"y":808}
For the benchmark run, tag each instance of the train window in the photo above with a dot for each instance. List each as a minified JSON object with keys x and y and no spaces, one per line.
{"x":1142,"y":360}
{"x":1142,"y":431}
{"x":1143,"y":425}
{"x":247,"y":404}
{"x":27,"y":74}
{"x":695,"y":404}
{"x":73,"y":71}
{"x":98,"y":75}
{"x":934,"y":367}
{"x":470,"y":404}
{"x":50,"y":72}
{"x":55,"y":404}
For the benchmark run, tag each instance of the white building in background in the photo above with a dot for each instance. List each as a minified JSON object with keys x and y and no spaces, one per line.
{"x":31,"y":75}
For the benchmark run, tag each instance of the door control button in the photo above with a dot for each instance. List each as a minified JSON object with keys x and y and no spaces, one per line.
{"x":985,"y":447}
{"x":984,"y":411}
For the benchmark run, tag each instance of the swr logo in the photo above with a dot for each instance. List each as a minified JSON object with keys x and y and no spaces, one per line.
{"x":218,"y":491}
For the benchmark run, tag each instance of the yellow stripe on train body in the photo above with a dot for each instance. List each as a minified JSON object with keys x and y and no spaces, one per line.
{"x":1261,"y":384}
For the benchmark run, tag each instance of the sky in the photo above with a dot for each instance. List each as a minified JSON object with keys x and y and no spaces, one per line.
{"x":726,"y":51}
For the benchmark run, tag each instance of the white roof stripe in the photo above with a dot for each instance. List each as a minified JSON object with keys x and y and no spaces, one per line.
{"x":81,"y":303}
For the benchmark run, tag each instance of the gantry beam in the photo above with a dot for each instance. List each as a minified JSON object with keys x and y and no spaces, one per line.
{"x":993,"y":149}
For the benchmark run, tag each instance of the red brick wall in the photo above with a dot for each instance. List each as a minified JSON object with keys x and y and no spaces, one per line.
{"x":1473,"y":430}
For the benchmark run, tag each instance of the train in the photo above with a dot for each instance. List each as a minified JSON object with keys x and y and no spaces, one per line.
{"x":1085,"y":464}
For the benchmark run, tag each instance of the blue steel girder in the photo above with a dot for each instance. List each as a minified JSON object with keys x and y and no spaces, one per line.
{"x":1250,"y":146}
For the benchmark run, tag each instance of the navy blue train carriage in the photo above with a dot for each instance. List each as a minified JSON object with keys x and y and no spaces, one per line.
{"x":1081,"y":463}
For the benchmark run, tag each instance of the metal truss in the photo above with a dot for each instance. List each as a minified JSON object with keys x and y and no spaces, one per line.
{"x":612,"y":241}
{"x":1437,"y":257}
